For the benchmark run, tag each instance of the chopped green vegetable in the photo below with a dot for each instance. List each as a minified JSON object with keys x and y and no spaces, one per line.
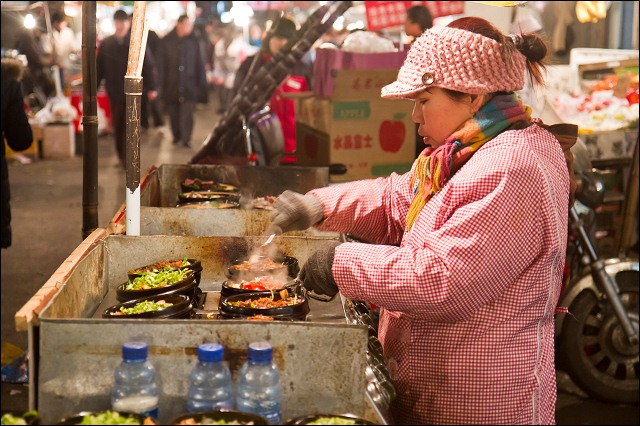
{"x":161,"y":278}
{"x":10,"y":419}
{"x":108,"y":418}
{"x":146,"y":306}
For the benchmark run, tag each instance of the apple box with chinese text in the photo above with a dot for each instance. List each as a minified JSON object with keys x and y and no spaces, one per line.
{"x":371,"y":138}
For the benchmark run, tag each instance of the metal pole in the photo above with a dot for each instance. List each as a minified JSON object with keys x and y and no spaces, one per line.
{"x":89,"y":121}
{"x":133,"y":92}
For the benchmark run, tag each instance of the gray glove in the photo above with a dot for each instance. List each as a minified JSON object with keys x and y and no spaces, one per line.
{"x":294,"y":212}
{"x":316,"y":274}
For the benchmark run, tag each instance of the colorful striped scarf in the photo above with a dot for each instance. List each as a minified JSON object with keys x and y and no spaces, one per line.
{"x":435,"y":166}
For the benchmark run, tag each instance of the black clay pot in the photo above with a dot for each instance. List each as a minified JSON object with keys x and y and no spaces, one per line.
{"x":199,"y":196}
{"x":187,"y":286}
{"x":189,"y":185}
{"x":347,"y":419}
{"x":230,"y":288}
{"x":290,"y":263}
{"x":228,"y":416}
{"x":181,"y":308}
{"x":297,"y":312}
{"x":194,"y":264}
{"x":220,"y":205}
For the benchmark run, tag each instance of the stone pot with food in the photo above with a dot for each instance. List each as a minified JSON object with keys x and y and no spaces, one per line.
{"x":164,"y":282}
{"x":155,"y":307}
{"x":194,"y":264}
{"x":280,"y":305}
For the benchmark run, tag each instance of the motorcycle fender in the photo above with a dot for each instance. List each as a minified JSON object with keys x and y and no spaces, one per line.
{"x":612,"y":267}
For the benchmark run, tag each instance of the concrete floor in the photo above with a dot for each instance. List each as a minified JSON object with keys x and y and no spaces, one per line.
{"x":47,"y":227}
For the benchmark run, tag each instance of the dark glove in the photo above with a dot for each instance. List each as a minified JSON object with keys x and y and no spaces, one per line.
{"x":294,"y":212}
{"x":316,"y":275}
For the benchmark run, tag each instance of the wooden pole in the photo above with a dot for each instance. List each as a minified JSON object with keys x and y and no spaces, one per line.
{"x":133,"y":92}
{"x":89,"y":121}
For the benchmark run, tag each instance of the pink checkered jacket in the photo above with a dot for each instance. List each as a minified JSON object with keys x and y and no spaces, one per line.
{"x":467,"y":296}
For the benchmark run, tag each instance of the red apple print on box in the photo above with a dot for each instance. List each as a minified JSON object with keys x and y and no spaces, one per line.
{"x":391,"y":134}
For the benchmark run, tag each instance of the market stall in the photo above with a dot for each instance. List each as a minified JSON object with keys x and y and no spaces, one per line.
{"x":75,"y":350}
{"x":598,"y":91}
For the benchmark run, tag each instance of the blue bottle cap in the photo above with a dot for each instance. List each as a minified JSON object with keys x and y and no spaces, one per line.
{"x":134,"y":351}
{"x":210,"y":352}
{"x":260,"y":351}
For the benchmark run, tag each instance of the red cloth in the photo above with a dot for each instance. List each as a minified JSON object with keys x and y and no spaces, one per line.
{"x":467,"y":299}
{"x":285,"y":110}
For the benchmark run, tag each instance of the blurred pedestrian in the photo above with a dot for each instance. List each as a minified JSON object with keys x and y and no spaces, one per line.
{"x":151,"y":108}
{"x":183,"y":80}
{"x":299,"y":80}
{"x":229,"y":52}
{"x":111,"y":65}
{"x":37,"y":84}
{"x":418,"y":21}
{"x":63,"y":45}
{"x":15,"y":130}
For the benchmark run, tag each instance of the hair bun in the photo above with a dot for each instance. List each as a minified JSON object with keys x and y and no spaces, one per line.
{"x":530,"y":45}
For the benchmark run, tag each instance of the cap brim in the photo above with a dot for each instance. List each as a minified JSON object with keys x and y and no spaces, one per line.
{"x":397,"y":90}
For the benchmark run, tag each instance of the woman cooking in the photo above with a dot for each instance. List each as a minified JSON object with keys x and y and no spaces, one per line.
{"x":469,"y":246}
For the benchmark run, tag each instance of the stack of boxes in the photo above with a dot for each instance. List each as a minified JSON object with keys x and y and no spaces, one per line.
{"x":346,"y":122}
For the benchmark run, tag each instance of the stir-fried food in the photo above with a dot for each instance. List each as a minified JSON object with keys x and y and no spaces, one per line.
{"x":144,"y":306}
{"x":206,"y":195}
{"x":259,"y":283}
{"x":259,"y":264}
{"x":267,"y":302}
{"x":150,"y":279}
{"x":210,"y":205}
{"x":259,"y":317}
{"x":265,"y":203}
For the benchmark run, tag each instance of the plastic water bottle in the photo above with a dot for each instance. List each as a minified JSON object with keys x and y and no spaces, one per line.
{"x":258,"y":389}
{"x":210,"y":384}
{"x":135,"y":389}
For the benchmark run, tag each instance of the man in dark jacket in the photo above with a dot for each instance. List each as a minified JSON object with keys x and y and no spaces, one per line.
{"x":111,"y":65}
{"x":15,"y":129}
{"x":183,"y":78}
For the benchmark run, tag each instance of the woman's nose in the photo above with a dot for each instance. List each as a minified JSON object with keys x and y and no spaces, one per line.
{"x":416,"y":114}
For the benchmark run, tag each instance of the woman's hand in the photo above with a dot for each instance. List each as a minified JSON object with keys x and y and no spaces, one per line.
{"x":294,"y":212}
{"x":316,"y":274}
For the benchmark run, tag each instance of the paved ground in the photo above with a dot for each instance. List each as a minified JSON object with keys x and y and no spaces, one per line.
{"x":47,"y":227}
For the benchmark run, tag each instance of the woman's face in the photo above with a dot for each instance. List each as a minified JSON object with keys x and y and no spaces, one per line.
{"x":276,"y":43}
{"x":439,"y":115}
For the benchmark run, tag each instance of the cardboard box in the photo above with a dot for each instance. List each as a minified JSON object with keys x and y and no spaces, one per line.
{"x":58,"y":141}
{"x":371,"y":138}
{"x":329,"y":63}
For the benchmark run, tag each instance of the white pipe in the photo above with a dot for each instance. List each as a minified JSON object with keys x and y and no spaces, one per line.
{"x":133,"y":212}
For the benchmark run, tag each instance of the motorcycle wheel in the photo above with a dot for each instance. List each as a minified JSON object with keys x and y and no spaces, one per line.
{"x":593,"y":348}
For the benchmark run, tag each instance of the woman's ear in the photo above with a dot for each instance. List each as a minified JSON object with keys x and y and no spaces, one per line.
{"x":476,"y":103}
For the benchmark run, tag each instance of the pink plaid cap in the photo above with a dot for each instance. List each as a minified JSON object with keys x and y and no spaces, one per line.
{"x":459,"y":60}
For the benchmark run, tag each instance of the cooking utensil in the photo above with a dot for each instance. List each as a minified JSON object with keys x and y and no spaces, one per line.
{"x":266,"y":243}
